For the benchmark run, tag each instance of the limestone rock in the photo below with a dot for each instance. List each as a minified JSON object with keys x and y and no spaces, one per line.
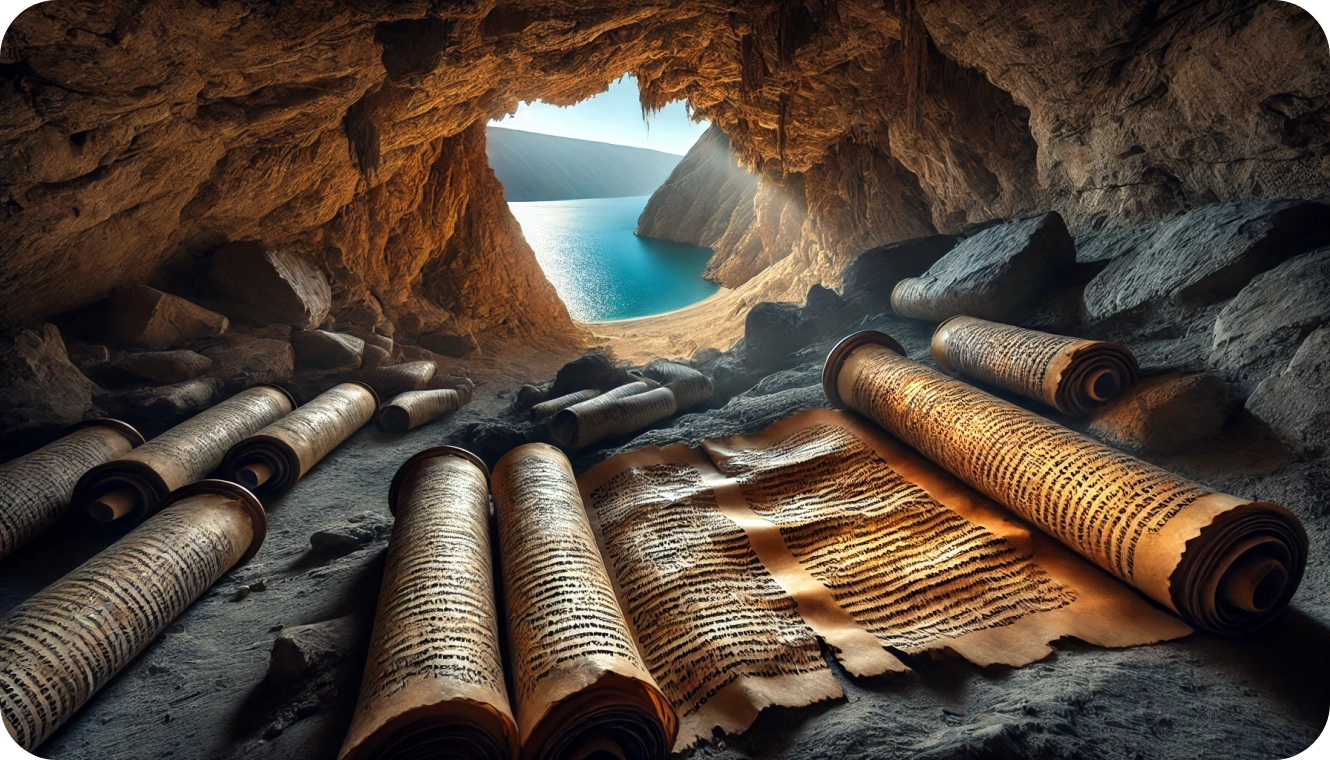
{"x":449,"y":343}
{"x":145,"y":317}
{"x":1259,"y":331}
{"x":774,"y":330}
{"x":323,"y":350}
{"x":41,"y":392}
{"x":301,"y":651}
{"x":1203,"y":256}
{"x":1000,"y":273}
{"x":165,"y":403}
{"x":871,"y":276}
{"x":1296,"y":403}
{"x":163,"y":367}
{"x":271,"y":285}
{"x":1166,"y":414}
{"x":371,"y":338}
{"x":247,"y":360}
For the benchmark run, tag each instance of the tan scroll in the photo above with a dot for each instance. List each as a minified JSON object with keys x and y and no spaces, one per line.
{"x":604,"y":417}
{"x":274,"y":459}
{"x":1223,"y":563}
{"x":581,"y":689}
{"x":398,"y":378}
{"x":415,"y":408}
{"x":689,"y":386}
{"x":1069,"y":374}
{"x":35,"y":490}
{"x":66,"y":642}
{"x":546,"y":409}
{"x":434,"y":679}
{"x":126,"y":491}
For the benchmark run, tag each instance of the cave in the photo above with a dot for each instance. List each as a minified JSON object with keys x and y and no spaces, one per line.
{"x":202,"y":200}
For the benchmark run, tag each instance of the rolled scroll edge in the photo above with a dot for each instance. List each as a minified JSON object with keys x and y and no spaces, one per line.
{"x":842,"y":351}
{"x":420,"y":457}
{"x":253,"y":507}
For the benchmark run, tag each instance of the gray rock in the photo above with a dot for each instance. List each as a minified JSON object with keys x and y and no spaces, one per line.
{"x":491,"y":439}
{"x":1259,"y":331}
{"x":371,"y":338}
{"x":300,"y":652}
{"x":144,"y":317}
{"x":166,"y":403}
{"x":361,"y":531}
{"x":1203,"y":256}
{"x":248,"y":360}
{"x":268,"y":285}
{"x":1000,"y":273}
{"x":163,"y":367}
{"x":1167,"y":414}
{"x":1296,"y":403}
{"x":774,"y":330}
{"x":41,"y":392}
{"x":869,"y":279}
{"x":88,"y":357}
{"x":375,"y":357}
{"x":323,"y":350}
{"x":590,"y":370}
{"x":449,"y":343}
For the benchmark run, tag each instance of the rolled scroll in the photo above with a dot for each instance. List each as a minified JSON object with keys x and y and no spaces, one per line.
{"x":581,"y":687}
{"x":689,"y":386}
{"x":434,"y":683}
{"x":126,"y":491}
{"x":272,"y":460}
{"x":35,"y":489}
{"x":1069,"y":374}
{"x":1221,"y":562}
{"x":414,"y":408}
{"x":398,"y":378}
{"x":62,"y":645}
{"x":546,"y":409}
{"x":609,"y":415}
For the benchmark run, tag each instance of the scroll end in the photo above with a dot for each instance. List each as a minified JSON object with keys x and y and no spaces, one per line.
{"x":842,"y":351}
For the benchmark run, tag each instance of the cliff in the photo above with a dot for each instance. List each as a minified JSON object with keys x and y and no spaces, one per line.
{"x":535,"y":167}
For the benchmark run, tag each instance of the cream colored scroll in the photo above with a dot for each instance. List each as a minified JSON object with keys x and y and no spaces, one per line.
{"x":546,"y":409}
{"x":124,"y":492}
{"x":1223,"y":563}
{"x":66,"y":642}
{"x":274,"y":459}
{"x":580,"y":687}
{"x":434,"y":681}
{"x":616,"y":412}
{"x":1069,"y":374}
{"x":35,"y":489}
{"x":689,"y":386}
{"x":415,"y":408}
{"x":398,"y":378}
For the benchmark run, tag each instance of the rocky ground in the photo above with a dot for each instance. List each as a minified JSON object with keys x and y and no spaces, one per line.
{"x":1228,"y":309}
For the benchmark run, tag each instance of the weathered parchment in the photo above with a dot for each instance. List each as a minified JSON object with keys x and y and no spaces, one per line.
{"x":1069,"y":374}
{"x":580,"y":685}
{"x":1221,"y":562}
{"x":66,"y":642}
{"x":617,"y":412}
{"x":398,"y":378}
{"x":546,"y":409}
{"x":274,"y":459}
{"x":434,"y":677}
{"x":415,"y":408}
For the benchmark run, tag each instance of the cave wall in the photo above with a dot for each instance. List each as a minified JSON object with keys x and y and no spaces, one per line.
{"x":138,"y":136}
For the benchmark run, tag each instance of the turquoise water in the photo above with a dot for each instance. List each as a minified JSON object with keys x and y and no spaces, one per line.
{"x":601,"y":269}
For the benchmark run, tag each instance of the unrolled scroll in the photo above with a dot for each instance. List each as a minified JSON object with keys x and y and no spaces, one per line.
{"x":581,"y":687}
{"x":1070,"y":374}
{"x":608,"y":415}
{"x":62,"y":645}
{"x":398,"y":378}
{"x":272,"y":460}
{"x":434,"y":681}
{"x":35,"y":489}
{"x":414,"y":408}
{"x":1221,"y":562}
{"x":126,"y":491}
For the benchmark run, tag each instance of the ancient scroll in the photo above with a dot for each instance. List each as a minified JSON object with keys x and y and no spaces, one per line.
{"x":1069,"y":374}
{"x":1223,"y":563}
{"x":126,"y":491}
{"x":689,"y":386}
{"x":546,"y":409}
{"x":35,"y":490}
{"x":434,"y":680}
{"x":66,"y":642}
{"x":415,"y":408}
{"x":611,"y":413}
{"x":272,"y":460}
{"x":398,"y":378}
{"x":580,"y":686}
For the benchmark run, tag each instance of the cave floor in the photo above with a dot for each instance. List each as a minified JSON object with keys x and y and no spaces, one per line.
{"x":199,"y":691}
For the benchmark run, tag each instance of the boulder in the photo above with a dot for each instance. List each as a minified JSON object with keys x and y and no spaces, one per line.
{"x":375,"y":357}
{"x":88,"y":357}
{"x":359,"y":532}
{"x":1203,"y":256}
{"x":269,"y":285}
{"x":773,"y":330}
{"x":591,"y":370}
{"x":1258,"y":332}
{"x":490,"y":439}
{"x":1166,"y":414}
{"x":162,"y":367}
{"x":145,"y":317}
{"x":247,"y":360}
{"x":869,"y":279}
{"x":1296,"y":403}
{"x":165,"y":403}
{"x":304,"y":652}
{"x":323,"y":350}
{"x":41,"y":392}
{"x":371,"y":338}
{"x":1000,"y":273}
{"x":449,"y":343}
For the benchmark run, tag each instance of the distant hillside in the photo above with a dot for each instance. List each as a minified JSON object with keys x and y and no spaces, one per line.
{"x":535,"y":167}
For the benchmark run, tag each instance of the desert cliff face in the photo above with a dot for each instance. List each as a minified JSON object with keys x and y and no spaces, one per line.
{"x":141,"y":136}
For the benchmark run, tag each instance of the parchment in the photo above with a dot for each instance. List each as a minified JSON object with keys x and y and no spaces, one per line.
{"x":415,"y":408}
{"x":1069,"y":374}
{"x":612,"y":414}
{"x":547,"y":409}
{"x":398,"y":378}
{"x":1223,"y":563}
{"x":434,"y":676}
{"x":579,"y":683}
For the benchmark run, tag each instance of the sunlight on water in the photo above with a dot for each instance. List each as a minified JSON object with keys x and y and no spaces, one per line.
{"x":601,"y":269}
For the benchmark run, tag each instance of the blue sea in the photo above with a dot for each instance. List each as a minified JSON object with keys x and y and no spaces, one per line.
{"x":601,"y":269}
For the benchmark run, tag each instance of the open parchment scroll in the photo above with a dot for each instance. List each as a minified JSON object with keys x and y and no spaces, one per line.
{"x":1222,"y":562}
{"x":1069,"y":374}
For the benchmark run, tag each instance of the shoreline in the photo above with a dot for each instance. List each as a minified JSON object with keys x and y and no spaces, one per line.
{"x":720,"y":292}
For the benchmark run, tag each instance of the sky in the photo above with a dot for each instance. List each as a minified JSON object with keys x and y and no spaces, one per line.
{"x":614,"y":116}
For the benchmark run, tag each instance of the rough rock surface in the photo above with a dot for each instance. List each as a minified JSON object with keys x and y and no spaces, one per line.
{"x":40,"y":391}
{"x":449,"y":343}
{"x":248,"y":360}
{"x":162,"y":367}
{"x":1296,"y":402}
{"x":155,"y":409}
{"x":143,"y":317}
{"x":323,"y":350}
{"x":773,"y":330}
{"x":869,"y":278}
{"x":593,"y":369}
{"x":1258,"y":332}
{"x":1166,"y":414}
{"x":270,"y":285}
